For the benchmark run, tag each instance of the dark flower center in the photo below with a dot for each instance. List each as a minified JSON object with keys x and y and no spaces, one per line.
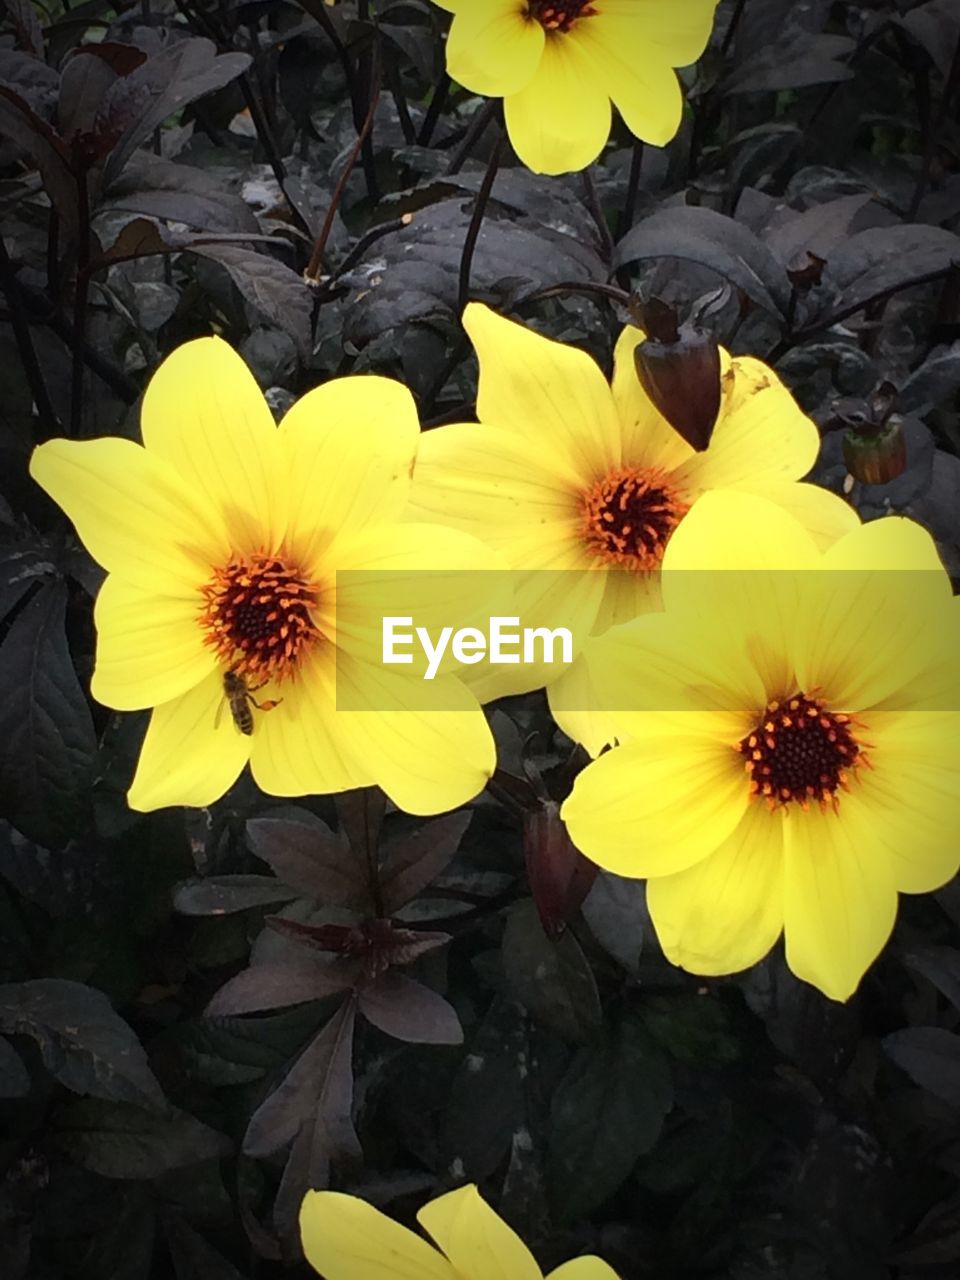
{"x":800,"y":752}
{"x":629,"y":515}
{"x":257,"y":616}
{"x":559,"y":15}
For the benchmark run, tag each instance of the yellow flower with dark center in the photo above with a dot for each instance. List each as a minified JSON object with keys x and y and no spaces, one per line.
{"x":569,"y":474}
{"x":345,"y":1238}
{"x":223,"y":537}
{"x":558,"y":63}
{"x":789,"y":731}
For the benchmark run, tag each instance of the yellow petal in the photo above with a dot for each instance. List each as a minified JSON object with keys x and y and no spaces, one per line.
{"x":477,"y":1241}
{"x":297,"y":747}
{"x":839,"y":897}
{"x":880,"y":627}
{"x":552,"y":394}
{"x":495,"y":484}
{"x":204,"y":414}
{"x":648,"y":439}
{"x":728,"y":570}
{"x":666,"y":662}
{"x":825,"y":517}
{"x":660,"y":804}
{"x":761,"y":433}
{"x":434,"y":575}
{"x":347,"y":1239}
{"x":560,"y":121}
{"x":133,"y":512}
{"x":636,"y":75}
{"x":189,"y":756}
{"x":729,"y":530}
{"x":575,"y":704}
{"x":427,"y":742}
{"x":550,"y":600}
{"x":149,"y":647}
{"x":588,"y":1268}
{"x":679,"y":29}
{"x":909,"y":800}
{"x":492,"y":48}
{"x":726,"y":912}
{"x":350,"y":447}
{"x":628,"y":594}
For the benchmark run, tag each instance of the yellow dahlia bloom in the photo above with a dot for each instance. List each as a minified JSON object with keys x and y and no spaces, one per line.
{"x":558,"y":63}
{"x":569,"y":474}
{"x":347,"y":1239}
{"x":222,"y":537}
{"x":790,"y":747}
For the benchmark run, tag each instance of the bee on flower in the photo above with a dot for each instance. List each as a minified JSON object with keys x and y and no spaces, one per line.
{"x":235,"y":552}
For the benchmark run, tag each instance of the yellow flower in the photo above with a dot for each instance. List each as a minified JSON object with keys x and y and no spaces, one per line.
{"x":558,"y":63}
{"x":789,"y":756}
{"x":570,"y":474}
{"x":347,"y":1239}
{"x":223,"y":536}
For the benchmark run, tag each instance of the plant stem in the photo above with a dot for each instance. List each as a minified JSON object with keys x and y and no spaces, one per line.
{"x":731,"y":30}
{"x":473,"y":231}
{"x":475,"y":131}
{"x":315,"y":264}
{"x":48,"y":421}
{"x":81,"y":293}
{"x":438,"y":101}
{"x":932,"y":132}
{"x":596,"y":212}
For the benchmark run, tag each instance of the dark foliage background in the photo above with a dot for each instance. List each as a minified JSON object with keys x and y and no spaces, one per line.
{"x":203,"y":1012}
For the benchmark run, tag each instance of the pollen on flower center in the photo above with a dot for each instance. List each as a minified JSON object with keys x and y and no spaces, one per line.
{"x":629,"y":515}
{"x":257,"y":616}
{"x":559,"y":15}
{"x":800,"y":752}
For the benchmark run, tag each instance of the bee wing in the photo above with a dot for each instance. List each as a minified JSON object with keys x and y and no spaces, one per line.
{"x":219,"y":716}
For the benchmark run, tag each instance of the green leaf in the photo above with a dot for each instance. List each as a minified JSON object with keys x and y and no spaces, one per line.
{"x":607,"y":1111}
{"x":84,"y":1044}
{"x":117,"y":1140}
{"x":553,"y":980}
{"x":47,"y":742}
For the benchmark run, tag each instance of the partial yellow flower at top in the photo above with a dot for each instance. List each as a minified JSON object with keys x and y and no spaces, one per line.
{"x":345,"y":1238}
{"x":568,"y":474}
{"x":558,"y":63}
{"x":223,"y":536}
{"x":789,"y":754}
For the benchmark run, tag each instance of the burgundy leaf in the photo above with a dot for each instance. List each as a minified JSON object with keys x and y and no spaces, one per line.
{"x":311,"y":858}
{"x":409,"y":864}
{"x":560,"y":876}
{"x":407,"y":1010}
{"x":320,"y":1081}
{"x":275,"y":986}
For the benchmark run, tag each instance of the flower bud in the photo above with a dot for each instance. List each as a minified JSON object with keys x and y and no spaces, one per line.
{"x":560,"y":876}
{"x":679,"y":369}
{"x":876,"y":455}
